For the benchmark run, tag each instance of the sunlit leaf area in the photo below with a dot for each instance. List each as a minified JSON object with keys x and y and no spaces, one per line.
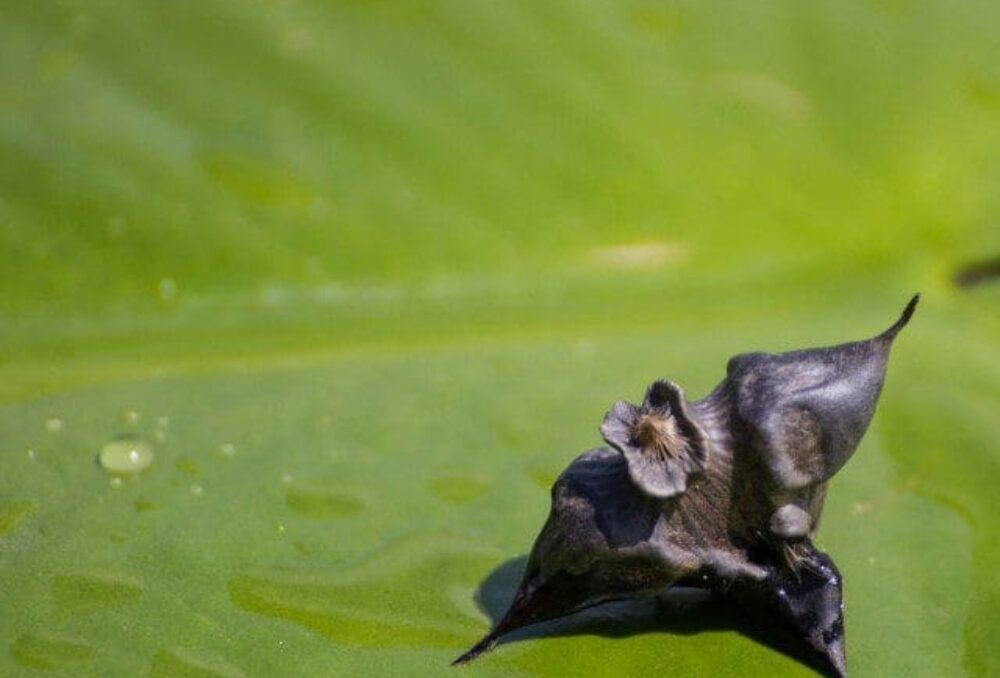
{"x":304,"y":305}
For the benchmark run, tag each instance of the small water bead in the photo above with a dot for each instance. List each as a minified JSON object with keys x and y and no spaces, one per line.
{"x":116,"y":481}
{"x":54,"y":424}
{"x":228,"y":449}
{"x":168,"y":289}
{"x":132,"y":417}
{"x":197,"y":490}
{"x":126,"y":455}
{"x":32,"y":455}
{"x":160,"y":434}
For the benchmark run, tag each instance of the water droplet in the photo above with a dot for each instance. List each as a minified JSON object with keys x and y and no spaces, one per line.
{"x":32,"y":455}
{"x":168,"y":289}
{"x":116,"y":481}
{"x":47,"y":652}
{"x":160,"y":434}
{"x":782,"y":593}
{"x":281,"y":529}
{"x":54,"y":424}
{"x":132,"y":417}
{"x":82,"y":593}
{"x":227,"y":449}
{"x":287,"y":479}
{"x":126,"y":455}
{"x":197,"y":490}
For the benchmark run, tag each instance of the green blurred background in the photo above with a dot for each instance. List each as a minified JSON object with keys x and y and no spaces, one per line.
{"x":365,"y":275}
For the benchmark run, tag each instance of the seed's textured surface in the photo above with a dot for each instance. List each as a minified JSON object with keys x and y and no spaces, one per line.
{"x":724,"y":493}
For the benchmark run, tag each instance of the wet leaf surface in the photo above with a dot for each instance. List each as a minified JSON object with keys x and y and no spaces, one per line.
{"x":361,"y":278}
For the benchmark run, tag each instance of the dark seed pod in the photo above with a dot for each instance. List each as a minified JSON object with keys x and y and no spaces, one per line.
{"x":724,"y":493}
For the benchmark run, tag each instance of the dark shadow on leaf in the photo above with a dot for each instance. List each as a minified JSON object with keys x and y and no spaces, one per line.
{"x":681,"y":611}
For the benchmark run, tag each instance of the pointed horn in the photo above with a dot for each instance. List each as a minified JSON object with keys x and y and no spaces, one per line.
{"x":518,"y":615}
{"x":903,"y":319}
{"x":535,"y":601}
{"x":514,"y":619}
{"x":482,"y":647}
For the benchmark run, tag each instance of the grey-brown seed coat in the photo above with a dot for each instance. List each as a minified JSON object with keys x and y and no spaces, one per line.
{"x":724,"y":493}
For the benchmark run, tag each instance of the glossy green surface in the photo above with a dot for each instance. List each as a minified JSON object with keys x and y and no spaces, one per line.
{"x":364,"y":276}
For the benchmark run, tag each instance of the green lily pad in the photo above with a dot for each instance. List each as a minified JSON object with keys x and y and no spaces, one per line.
{"x":362,"y":277}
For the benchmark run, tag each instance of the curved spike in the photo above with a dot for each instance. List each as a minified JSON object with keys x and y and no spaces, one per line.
{"x":529,"y":605}
{"x":480,"y":648}
{"x":903,"y":319}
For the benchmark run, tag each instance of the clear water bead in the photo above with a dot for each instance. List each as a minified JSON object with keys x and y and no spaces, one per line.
{"x":126,"y":455}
